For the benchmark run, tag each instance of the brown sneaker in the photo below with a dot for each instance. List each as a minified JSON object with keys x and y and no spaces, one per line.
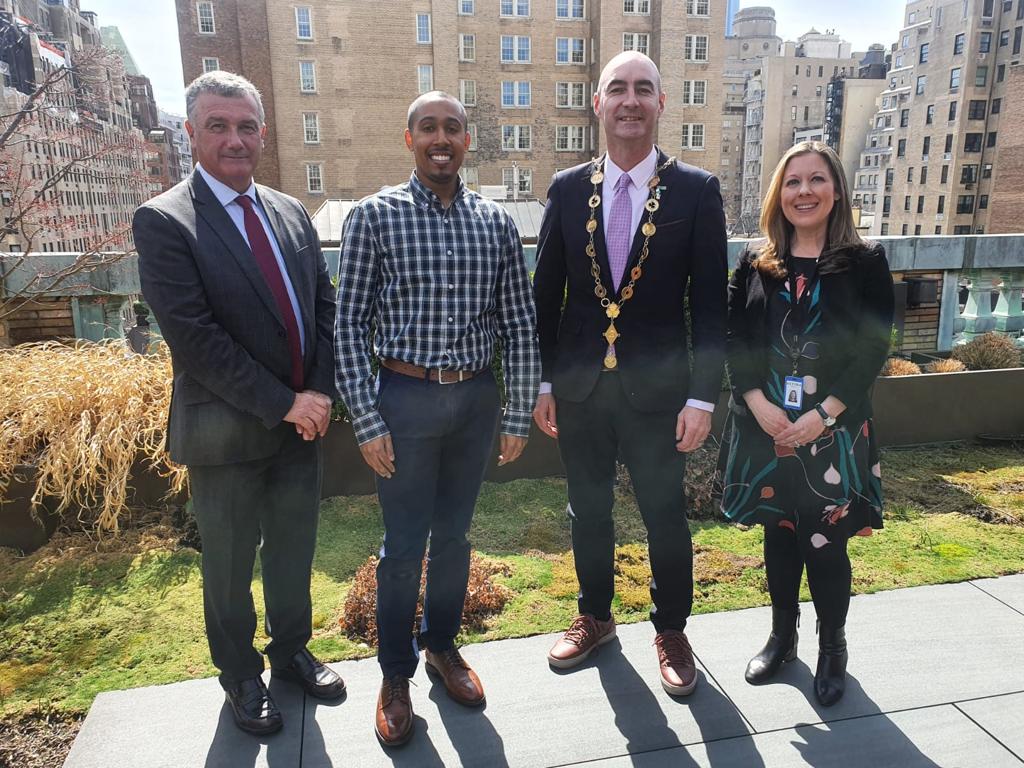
{"x":584,"y":635}
{"x":394,"y":712}
{"x":459,"y":679}
{"x":675,"y":658}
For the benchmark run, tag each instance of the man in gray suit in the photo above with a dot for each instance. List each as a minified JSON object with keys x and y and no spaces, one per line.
{"x":234,"y":274}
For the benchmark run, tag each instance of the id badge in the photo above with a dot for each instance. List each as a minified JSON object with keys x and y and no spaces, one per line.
{"x":793,"y":398}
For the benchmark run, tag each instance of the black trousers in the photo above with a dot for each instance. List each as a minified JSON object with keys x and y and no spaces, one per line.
{"x":270,"y":505}
{"x":591,"y":435}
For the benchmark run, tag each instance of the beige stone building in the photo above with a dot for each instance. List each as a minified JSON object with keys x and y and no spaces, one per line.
{"x":937,"y":132}
{"x":850,"y":105}
{"x":337,"y":79}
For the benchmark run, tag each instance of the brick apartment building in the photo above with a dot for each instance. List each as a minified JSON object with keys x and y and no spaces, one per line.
{"x":337,"y":79}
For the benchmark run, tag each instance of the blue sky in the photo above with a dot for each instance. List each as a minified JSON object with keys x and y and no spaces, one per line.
{"x":151,"y":31}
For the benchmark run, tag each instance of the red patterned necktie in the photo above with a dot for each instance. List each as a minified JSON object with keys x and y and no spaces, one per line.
{"x":260,"y":246}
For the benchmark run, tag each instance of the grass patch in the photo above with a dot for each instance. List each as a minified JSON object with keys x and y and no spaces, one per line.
{"x":80,"y":616}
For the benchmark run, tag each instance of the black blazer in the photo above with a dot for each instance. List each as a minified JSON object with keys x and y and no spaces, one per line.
{"x":687,"y":258}
{"x":857,"y":311}
{"x":228,"y":344}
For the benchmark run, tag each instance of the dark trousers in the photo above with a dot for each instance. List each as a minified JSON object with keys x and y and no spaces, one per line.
{"x":591,"y":435}
{"x":829,"y":577}
{"x":442,"y":436}
{"x":270,"y":505}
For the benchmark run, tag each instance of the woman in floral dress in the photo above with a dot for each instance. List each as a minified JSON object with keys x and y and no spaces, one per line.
{"x":810,"y":313}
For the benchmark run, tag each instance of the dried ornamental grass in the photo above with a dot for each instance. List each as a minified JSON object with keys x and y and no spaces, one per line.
{"x":897,"y":366}
{"x":948,"y":365}
{"x":988,"y":352}
{"x":81,"y":415}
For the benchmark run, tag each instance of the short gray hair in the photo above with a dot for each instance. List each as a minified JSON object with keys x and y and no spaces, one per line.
{"x":221,"y":83}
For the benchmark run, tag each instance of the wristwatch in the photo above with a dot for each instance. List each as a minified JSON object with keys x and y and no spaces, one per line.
{"x":828,"y":420}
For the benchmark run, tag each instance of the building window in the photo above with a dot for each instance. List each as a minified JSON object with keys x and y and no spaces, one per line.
{"x":524,"y":176}
{"x":570,"y":138}
{"x":958,"y":44}
{"x":693,"y":136}
{"x":901,"y":147}
{"x":516,"y":138}
{"x":698,"y":7}
{"x":425,"y":78}
{"x":985,"y":43}
{"x":204,"y":15}
{"x":922,"y":81}
{"x":1016,"y":37}
{"x":1004,"y":38}
{"x":471,"y":130}
{"x":571,"y":95}
{"x":695,"y":92}
{"x":944,"y":177}
{"x":515,"y":49}
{"x":211,"y":64}
{"x":695,"y":48}
{"x":515,"y":7}
{"x":906,"y":203}
{"x":792,"y":113}
{"x":635,"y":41}
{"x":516,"y":94}
{"x":307,"y":77}
{"x":904,"y":118}
{"x":311,"y":127}
{"x":303,"y":22}
{"x":991,"y":142}
{"x":920,"y":203}
{"x":638,"y":7}
{"x":910,"y":175}
{"x":976,"y":109}
{"x":923,"y":58}
{"x":982,"y":202}
{"x":929,"y":116}
{"x":965,"y":204}
{"x":423,"y":28}
{"x":952,"y":111}
{"x":470,"y":177}
{"x":972,"y":142}
{"x":924,"y":174}
{"x":1000,"y":73}
{"x":467,"y":47}
{"x":314,"y":178}
{"x":569,"y":9}
{"x":467,"y":92}
{"x":996,"y":106}
{"x":467,"y":7}
{"x":981,"y":76}
{"x":969,"y":174}
{"x":570,"y":50}
{"x":954,"y":79}
{"x":940,"y":206}
{"x":949,"y":143}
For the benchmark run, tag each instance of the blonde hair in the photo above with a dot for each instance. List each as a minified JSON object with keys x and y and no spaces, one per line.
{"x":842,"y":236}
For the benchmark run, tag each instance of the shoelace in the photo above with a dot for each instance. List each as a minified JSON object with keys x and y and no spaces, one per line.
{"x":579,"y":629}
{"x":453,"y":658}
{"x":673,"y":645}
{"x":397,"y":686}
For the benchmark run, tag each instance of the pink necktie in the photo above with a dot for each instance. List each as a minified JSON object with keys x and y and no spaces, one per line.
{"x":620,"y":235}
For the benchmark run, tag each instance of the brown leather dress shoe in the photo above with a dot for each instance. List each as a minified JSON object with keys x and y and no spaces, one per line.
{"x":459,"y":679}
{"x":394,"y":712}
{"x":675,"y":659}
{"x":583,"y":636}
{"x":254,"y":710}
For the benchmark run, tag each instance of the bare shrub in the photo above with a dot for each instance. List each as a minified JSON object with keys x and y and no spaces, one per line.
{"x":945,"y":366}
{"x":897,"y":366}
{"x":988,"y":351}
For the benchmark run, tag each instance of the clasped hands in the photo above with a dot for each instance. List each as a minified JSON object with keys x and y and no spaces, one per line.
{"x":310,"y":413}
{"x":774,"y":422}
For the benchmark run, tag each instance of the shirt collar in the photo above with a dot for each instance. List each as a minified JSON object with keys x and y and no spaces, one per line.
{"x":225,"y":194}
{"x":639,"y":173}
{"x":423,"y":194}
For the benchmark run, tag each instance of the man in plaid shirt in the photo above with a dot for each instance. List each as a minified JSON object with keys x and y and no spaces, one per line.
{"x":432,"y":277}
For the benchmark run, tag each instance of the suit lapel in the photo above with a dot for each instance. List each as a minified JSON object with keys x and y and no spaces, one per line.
{"x":213,"y":213}
{"x":638,"y":236}
{"x":291,"y":258}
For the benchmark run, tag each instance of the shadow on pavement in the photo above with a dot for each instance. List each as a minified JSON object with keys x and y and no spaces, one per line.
{"x":470,"y":731}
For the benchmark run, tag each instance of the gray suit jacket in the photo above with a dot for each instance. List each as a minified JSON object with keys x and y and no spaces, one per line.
{"x":228,"y":343}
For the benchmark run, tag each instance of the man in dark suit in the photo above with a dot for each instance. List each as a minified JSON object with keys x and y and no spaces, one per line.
{"x":626,"y":239}
{"x":233,"y":272}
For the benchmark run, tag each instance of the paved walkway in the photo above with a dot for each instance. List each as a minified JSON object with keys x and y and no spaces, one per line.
{"x":936,"y":679}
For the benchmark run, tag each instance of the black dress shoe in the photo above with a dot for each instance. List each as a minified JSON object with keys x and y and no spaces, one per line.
{"x":315,"y":679}
{"x":830,"y":676}
{"x":255,"y":712}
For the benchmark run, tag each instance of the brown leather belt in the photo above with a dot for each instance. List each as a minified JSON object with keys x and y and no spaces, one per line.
{"x":439,"y":375}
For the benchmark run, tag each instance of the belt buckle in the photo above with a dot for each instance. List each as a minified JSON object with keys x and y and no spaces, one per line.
{"x":440,"y":377}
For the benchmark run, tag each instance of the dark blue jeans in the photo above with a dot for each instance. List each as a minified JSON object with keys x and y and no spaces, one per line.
{"x":442,"y":436}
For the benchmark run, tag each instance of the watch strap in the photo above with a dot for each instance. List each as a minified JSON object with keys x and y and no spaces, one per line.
{"x":825,"y":417}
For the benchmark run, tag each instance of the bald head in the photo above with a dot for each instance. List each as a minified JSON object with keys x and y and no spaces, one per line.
{"x":432,"y":96}
{"x":625,"y":58}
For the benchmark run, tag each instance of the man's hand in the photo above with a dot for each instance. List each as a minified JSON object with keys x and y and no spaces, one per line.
{"x":544,"y":415}
{"x":510,"y":448}
{"x":310,"y":413}
{"x":692,"y":427}
{"x":380,"y":455}
{"x":327,"y":402}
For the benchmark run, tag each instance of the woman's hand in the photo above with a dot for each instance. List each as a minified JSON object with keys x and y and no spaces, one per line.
{"x":804,"y":430}
{"x":770,"y":417}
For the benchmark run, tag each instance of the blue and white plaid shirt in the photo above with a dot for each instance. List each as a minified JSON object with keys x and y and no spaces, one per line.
{"x":438,"y":287}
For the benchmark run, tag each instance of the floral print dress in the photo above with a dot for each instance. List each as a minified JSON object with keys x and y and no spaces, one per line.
{"x":832,"y":485}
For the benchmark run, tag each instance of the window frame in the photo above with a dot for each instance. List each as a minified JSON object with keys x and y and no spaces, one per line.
{"x":515,"y":6}
{"x":429,"y":40}
{"x":691,"y":46}
{"x":207,"y":5}
{"x":571,"y":52}
{"x":302,"y":76}
{"x":307,"y":128}
{"x":464,"y":38}
{"x":310,"y":167}
{"x":519,"y":131}
{"x":572,"y":133}
{"x":298,"y":23}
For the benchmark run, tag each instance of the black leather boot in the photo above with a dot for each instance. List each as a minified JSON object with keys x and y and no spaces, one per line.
{"x":830,"y":677}
{"x":781,"y":646}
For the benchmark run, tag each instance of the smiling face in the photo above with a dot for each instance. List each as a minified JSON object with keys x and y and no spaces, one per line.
{"x":227,"y":138}
{"x":629,"y":101}
{"x":808,"y":193}
{"x":438,"y":140}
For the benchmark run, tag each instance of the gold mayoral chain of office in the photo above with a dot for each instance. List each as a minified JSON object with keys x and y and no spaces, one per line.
{"x":612,"y":308}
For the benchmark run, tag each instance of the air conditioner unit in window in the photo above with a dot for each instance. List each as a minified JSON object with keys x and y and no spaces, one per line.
{"x":947,"y":155}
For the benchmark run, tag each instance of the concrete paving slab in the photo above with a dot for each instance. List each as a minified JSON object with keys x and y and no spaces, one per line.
{"x":610,"y":705}
{"x":1002,"y":717}
{"x":937,"y":737}
{"x":184,"y":725}
{"x":908,"y":648}
{"x":1009,"y":589}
